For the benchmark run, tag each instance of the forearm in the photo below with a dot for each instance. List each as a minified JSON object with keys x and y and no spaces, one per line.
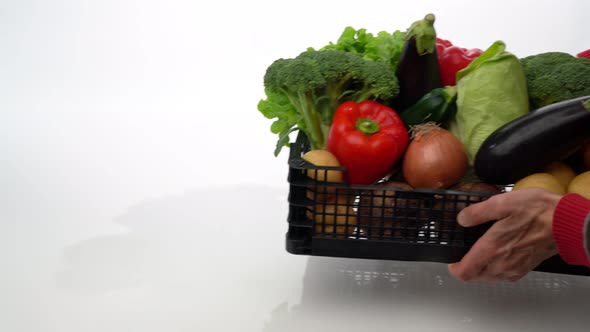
{"x":571,"y":229}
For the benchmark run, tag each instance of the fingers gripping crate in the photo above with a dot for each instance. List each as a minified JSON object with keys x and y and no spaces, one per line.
{"x":386,"y":220}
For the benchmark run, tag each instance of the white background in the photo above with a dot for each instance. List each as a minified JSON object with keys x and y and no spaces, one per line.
{"x":139,"y":192}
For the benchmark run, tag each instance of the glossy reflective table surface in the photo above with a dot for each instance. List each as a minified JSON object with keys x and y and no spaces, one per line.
{"x":187,"y":262}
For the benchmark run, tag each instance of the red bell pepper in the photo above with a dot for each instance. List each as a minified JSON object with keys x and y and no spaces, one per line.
{"x":367,"y":138}
{"x":584,"y":54}
{"x":453,"y":58}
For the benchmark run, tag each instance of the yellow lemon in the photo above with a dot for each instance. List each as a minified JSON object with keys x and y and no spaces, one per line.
{"x":541,"y":180}
{"x":561,"y":171}
{"x":580,"y":185}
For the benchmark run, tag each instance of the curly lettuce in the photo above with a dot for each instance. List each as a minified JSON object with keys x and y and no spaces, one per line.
{"x":383,"y":47}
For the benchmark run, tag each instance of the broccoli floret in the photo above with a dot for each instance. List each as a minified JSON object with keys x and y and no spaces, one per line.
{"x":555,"y":76}
{"x":314,"y":84}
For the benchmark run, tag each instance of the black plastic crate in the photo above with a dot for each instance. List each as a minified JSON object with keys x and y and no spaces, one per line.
{"x":381,"y":221}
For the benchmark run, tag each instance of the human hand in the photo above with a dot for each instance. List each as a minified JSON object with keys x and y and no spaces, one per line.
{"x":520,"y":239}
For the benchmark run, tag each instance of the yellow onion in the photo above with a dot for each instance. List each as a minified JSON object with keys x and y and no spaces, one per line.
{"x":435,"y":158}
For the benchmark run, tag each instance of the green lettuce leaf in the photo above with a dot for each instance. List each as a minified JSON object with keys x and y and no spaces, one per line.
{"x":384,"y":46}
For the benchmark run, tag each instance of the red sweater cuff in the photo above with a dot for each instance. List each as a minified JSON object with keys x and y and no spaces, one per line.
{"x":569,"y":221}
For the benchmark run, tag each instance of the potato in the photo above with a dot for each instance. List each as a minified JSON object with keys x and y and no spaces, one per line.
{"x":580,"y":185}
{"x":477,"y":187}
{"x":561,"y":171}
{"x":451,"y":208}
{"x":545,"y":181}
{"x":333,"y":218}
{"x":323,"y":158}
{"x":377,"y":208}
{"x":321,"y":192}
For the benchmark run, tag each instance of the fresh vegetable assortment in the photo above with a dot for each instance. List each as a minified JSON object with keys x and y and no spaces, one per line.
{"x":383,"y":47}
{"x":417,"y":70}
{"x":584,"y":54}
{"x":533,"y":141}
{"x":368,"y":138}
{"x":410,"y":102}
{"x":438,"y":106}
{"x":434,"y":159}
{"x":452,"y":58}
{"x":555,"y":76}
{"x":304,"y":92}
{"x":491,"y":92}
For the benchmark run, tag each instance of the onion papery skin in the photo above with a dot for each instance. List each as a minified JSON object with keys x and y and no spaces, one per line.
{"x":435,"y":158}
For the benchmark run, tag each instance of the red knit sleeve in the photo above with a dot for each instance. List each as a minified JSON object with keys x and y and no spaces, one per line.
{"x":570,"y":229}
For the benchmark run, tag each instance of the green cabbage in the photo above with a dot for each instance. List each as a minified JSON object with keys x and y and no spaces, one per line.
{"x":491,"y":91}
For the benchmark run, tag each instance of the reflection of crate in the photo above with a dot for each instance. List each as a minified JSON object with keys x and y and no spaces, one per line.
{"x":379,"y":221}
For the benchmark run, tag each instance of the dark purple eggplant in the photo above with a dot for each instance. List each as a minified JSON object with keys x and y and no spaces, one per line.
{"x":418,"y":71}
{"x":527,"y":144}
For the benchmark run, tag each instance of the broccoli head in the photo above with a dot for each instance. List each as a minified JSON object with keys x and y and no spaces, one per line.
{"x":555,"y":76}
{"x":304,"y":92}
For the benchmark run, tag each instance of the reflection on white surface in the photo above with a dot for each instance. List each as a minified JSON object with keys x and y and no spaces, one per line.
{"x":193,"y":259}
{"x":185,"y":263}
{"x":353,"y":294}
{"x":214,"y":259}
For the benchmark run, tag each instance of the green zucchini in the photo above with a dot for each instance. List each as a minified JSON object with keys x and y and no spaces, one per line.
{"x":438,"y":105}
